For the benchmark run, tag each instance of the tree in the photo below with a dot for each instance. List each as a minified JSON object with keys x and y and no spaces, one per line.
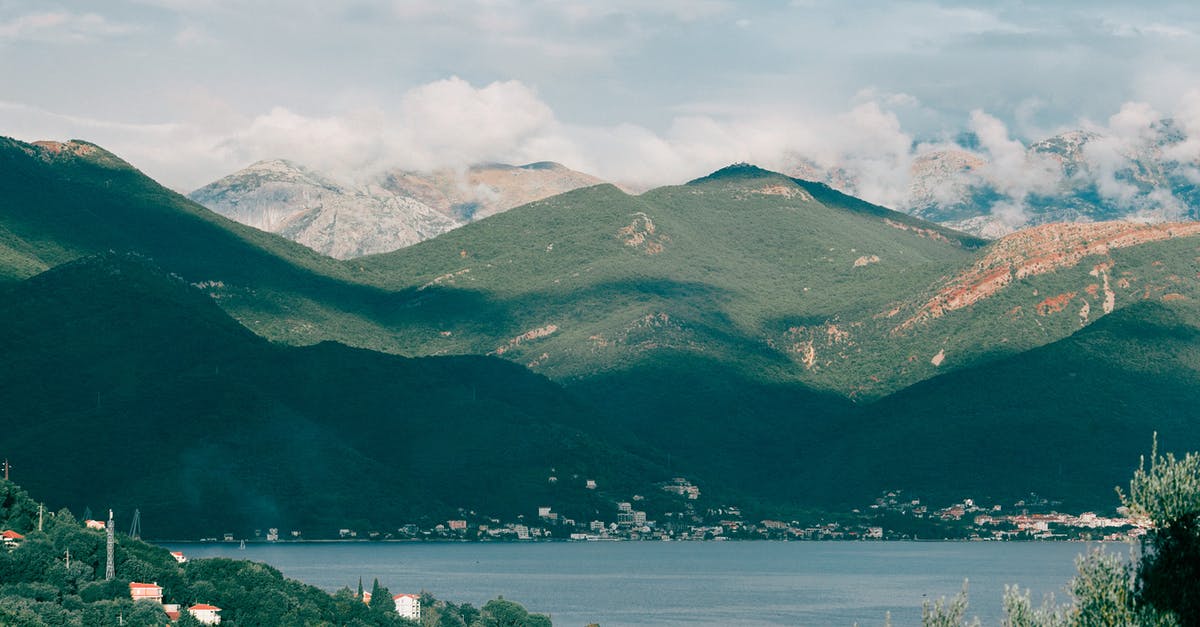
{"x":501,"y":613}
{"x":947,"y":613}
{"x":1167,"y":495}
{"x":1161,"y":589}
{"x":381,"y":599}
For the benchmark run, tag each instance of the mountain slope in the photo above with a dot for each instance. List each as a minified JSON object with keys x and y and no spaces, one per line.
{"x":387,"y":212}
{"x":482,"y":190}
{"x":1065,"y":418}
{"x":129,"y":388}
{"x":331,"y":218}
{"x":781,"y":279}
{"x":717,"y":327}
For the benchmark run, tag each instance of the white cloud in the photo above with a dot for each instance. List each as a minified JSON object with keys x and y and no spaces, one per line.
{"x":61,"y":27}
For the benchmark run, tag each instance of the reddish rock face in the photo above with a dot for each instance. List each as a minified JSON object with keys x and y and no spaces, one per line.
{"x":1039,"y":250}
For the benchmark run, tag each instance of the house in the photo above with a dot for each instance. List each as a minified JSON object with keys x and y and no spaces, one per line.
{"x":207,"y":614}
{"x":172,"y":610}
{"x":94,"y":524}
{"x":11,"y":539}
{"x":408,"y":606}
{"x":179,"y":557}
{"x":146,"y":592}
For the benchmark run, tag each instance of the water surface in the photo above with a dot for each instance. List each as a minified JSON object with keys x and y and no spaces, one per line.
{"x":695,"y":583}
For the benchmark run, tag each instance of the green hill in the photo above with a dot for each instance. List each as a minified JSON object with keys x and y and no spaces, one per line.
{"x":738,"y":329}
{"x":1065,"y":420}
{"x":127,"y":388}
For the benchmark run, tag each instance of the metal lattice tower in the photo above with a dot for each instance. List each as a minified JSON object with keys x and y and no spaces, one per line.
{"x":135,"y":529}
{"x":110,"y":570}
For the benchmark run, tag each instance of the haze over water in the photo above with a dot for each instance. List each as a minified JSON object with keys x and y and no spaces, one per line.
{"x":732,"y":583}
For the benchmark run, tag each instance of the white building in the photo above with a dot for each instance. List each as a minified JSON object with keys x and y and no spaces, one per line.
{"x":207,"y":614}
{"x":408,"y":606}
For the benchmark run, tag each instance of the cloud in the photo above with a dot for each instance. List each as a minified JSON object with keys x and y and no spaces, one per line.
{"x":451,"y":123}
{"x":61,"y":27}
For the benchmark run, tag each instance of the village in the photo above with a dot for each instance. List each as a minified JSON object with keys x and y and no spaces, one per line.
{"x":890,"y":517}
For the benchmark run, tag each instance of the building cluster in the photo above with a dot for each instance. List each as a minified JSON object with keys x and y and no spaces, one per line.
{"x":1027,"y":519}
{"x":153,"y":593}
{"x":892,"y":516}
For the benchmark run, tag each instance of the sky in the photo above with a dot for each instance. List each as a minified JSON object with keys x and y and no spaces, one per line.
{"x":643,"y":93}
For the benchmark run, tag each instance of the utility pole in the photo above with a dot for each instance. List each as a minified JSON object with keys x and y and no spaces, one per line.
{"x":110,"y":571}
{"x":6,"y":467}
{"x":40,"y":508}
{"x":68,"y":559}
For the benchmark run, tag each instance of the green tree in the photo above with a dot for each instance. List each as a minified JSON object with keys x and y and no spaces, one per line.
{"x":381,"y":599}
{"x":948,"y":613}
{"x":1167,"y":495}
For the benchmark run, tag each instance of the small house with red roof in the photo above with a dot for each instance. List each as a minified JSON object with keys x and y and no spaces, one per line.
{"x":94,"y":524}
{"x":11,"y":539}
{"x":145,"y":592}
{"x":207,"y":614}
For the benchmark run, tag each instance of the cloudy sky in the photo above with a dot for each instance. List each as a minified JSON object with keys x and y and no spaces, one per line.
{"x":634,"y":91}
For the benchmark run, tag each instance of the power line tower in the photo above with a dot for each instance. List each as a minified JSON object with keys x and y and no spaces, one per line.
{"x":135,"y":529}
{"x":110,"y":570}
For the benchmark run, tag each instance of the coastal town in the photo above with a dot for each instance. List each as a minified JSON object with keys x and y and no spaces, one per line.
{"x":684,"y":516}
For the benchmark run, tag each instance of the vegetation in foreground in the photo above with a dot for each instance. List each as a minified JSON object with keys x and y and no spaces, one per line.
{"x":55,"y":577}
{"x":1157,"y":587}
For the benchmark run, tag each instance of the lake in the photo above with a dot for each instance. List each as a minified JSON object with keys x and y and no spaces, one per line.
{"x":695,"y":583}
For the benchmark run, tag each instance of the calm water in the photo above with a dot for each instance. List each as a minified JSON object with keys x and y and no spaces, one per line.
{"x":694,"y":583}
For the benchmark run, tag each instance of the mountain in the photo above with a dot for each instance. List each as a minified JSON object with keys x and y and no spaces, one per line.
{"x":390,"y":211}
{"x":1076,"y":176}
{"x":331,"y":218}
{"x":127,"y":387}
{"x":736,"y":329}
{"x":487,"y":189}
{"x":1069,"y":417}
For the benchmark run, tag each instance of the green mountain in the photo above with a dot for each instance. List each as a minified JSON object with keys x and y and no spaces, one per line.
{"x":127,"y":388}
{"x":1067,"y":418}
{"x":740,"y":329}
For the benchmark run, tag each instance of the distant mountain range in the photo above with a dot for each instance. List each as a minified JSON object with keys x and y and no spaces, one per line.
{"x":779,"y":342}
{"x":1077,"y":176}
{"x":392,"y":210}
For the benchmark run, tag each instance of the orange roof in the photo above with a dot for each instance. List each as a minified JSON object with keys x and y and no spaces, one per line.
{"x":9,"y":534}
{"x":401,"y":596}
{"x":173,"y":615}
{"x":204,"y":606}
{"x":134,"y":584}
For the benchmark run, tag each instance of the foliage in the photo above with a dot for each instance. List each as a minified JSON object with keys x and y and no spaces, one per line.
{"x":948,"y":613}
{"x":503,"y":613}
{"x":1019,"y":610}
{"x":1167,"y":494}
{"x":1159,"y":588}
{"x":38,"y":590}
